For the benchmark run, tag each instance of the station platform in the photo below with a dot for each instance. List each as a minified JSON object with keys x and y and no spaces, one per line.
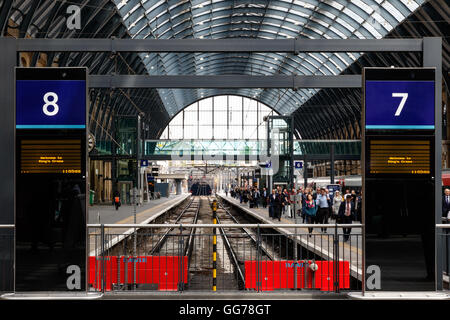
{"x":125,"y":215}
{"x":107,"y":214}
{"x":320,"y":244}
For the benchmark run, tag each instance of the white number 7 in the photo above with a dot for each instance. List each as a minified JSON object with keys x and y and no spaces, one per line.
{"x":404,"y":96}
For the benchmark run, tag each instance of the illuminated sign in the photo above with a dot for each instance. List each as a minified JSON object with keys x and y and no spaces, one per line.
{"x":399,"y":104}
{"x":50,"y":156}
{"x":408,"y":157}
{"x":50,"y":104}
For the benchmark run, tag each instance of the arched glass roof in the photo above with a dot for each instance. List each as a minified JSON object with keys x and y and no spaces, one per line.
{"x":216,"y":19}
{"x":220,"y":117}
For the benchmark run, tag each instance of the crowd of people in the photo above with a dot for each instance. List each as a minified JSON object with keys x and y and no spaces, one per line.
{"x":311,"y":206}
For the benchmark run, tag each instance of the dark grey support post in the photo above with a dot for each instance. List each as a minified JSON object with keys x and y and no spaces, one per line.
{"x":332,"y":163}
{"x":305,"y":172}
{"x":432,"y":57}
{"x":8,"y":61}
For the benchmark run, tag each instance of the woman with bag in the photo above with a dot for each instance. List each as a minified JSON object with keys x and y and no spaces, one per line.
{"x":310,"y":210}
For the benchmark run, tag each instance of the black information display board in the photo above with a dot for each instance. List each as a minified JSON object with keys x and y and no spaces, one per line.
{"x":50,"y":186}
{"x":399,"y":188}
{"x":396,"y":156}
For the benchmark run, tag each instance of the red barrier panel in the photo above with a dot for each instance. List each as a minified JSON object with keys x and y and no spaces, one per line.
{"x":165,"y":271}
{"x":270,"y":275}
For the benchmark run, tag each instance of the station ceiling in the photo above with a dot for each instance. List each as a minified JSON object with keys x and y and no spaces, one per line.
{"x":318,"y":113}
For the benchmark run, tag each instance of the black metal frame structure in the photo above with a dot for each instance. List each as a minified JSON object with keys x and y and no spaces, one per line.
{"x":431,"y":49}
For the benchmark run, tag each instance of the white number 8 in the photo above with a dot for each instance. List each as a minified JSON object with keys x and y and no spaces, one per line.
{"x":50,"y":103}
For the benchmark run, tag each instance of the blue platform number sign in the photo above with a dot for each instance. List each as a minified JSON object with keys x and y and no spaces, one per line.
{"x":144,"y":163}
{"x":399,"y":105}
{"x":50,"y":104}
{"x":298,"y":164}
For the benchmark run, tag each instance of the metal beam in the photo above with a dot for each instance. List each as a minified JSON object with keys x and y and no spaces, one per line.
{"x":167,"y":157}
{"x":220,"y":45}
{"x":224,"y":81}
{"x":432,"y":57}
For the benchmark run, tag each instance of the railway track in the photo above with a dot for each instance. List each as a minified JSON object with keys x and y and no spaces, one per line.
{"x":234,"y":246}
{"x":241,"y":244}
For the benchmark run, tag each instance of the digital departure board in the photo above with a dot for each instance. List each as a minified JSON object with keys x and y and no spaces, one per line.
{"x":400,"y":157}
{"x":50,"y":156}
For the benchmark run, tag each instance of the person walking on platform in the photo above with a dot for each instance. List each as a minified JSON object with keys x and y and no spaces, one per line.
{"x":358,"y":206}
{"x":337,"y":200}
{"x":346,"y":214}
{"x":324,"y":204}
{"x":446,"y":204}
{"x":116,"y":200}
{"x":297,"y":203}
{"x":304,"y":198}
{"x":272,"y":204}
{"x":310,"y":211}
{"x":255,"y":197}
{"x":264,"y":198}
{"x":285,"y":202}
{"x":279,"y":205}
{"x":347,"y":194}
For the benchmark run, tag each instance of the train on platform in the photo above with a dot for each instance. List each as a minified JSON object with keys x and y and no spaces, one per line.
{"x":353,"y":182}
{"x":200,"y":189}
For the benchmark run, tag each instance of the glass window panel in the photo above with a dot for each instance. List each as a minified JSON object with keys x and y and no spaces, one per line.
{"x":250,"y":105}
{"x":205,"y":132}
{"x":250,"y":117}
{"x":190,"y":117}
{"x":235,"y":103}
{"x":235,"y":110}
{"x":220,"y":118}
{"x":190,"y":132}
{"x":164,"y":134}
{"x":235,"y":132}
{"x":205,"y":105}
{"x":220,"y":103}
{"x":262,"y":132}
{"x":254,"y":124}
{"x":178,"y":120}
{"x":250,"y":132}
{"x":205,"y":117}
{"x":220,"y":132}
{"x":175,"y":132}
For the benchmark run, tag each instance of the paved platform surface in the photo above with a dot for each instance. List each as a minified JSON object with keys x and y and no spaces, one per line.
{"x":109,"y":214}
{"x":125,"y":215}
{"x":319,"y":243}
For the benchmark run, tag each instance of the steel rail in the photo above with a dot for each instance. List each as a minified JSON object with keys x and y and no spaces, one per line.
{"x":165,"y":236}
{"x":248,"y":233}
{"x":231,"y":252}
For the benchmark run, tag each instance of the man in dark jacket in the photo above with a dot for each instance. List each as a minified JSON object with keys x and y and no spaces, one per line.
{"x":446,"y":203}
{"x":264,"y":196}
{"x":273,"y":204}
{"x":346,"y":215}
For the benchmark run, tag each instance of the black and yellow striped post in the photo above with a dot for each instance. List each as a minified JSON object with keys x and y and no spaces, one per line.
{"x":214,"y":208}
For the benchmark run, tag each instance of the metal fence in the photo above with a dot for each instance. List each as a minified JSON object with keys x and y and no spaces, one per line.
{"x":6,"y":257}
{"x":443,"y":231}
{"x":251,"y":257}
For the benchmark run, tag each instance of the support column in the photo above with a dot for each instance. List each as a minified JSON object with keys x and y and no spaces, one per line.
{"x":305,"y":173}
{"x":432,"y":57}
{"x":7,"y":168}
{"x":178,"y":184}
{"x":332,"y":163}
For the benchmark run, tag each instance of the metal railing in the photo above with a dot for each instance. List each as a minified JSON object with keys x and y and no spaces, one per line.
{"x":251,"y":257}
{"x":443,"y":231}
{"x":6,"y":256}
